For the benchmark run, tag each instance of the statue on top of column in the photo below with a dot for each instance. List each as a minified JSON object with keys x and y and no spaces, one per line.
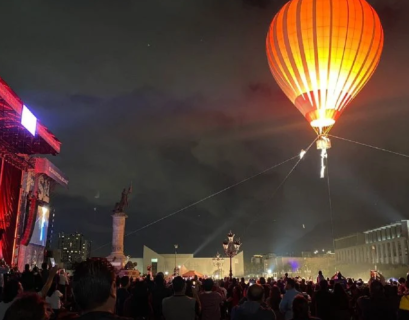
{"x":123,"y":204}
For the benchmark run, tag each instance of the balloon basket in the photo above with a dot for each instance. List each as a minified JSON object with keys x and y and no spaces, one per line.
{"x":323,"y":142}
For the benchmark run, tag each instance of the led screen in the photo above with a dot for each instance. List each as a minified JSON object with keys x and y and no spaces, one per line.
{"x":28,"y":120}
{"x":39,"y":236}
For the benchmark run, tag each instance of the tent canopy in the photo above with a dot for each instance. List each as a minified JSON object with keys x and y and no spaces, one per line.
{"x":192,"y":273}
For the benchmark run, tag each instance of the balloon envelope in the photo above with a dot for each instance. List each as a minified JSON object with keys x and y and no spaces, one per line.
{"x":322,"y":53}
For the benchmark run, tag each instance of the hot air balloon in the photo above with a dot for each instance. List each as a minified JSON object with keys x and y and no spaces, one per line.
{"x":322,"y":53}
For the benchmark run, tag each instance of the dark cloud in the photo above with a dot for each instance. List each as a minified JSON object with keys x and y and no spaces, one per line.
{"x":177,"y":97}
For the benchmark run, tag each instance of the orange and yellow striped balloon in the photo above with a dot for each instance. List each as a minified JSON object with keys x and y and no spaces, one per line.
{"x":322,"y":53}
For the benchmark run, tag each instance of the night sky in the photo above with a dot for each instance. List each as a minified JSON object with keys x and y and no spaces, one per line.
{"x":177,"y":97}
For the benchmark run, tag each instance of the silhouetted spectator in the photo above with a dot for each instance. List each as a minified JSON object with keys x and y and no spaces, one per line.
{"x":252,"y":309}
{"x":94,"y":289}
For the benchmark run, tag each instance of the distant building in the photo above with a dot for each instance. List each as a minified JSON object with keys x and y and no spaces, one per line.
{"x":306,"y":254}
{"x":257,"y":265}
{"x":262,"y":264}
{"x":74,"y":247}
{"x":166,"y":263}
{"x":257,"y":259}
{"x":270,"y":260}
{"x":305,"y":266}
{"x":385,"y":245}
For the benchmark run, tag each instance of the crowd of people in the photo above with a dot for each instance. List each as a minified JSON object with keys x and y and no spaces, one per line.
{"x":48,"y":283}
{"x":335,"y":298}
{"x":95,"y":292}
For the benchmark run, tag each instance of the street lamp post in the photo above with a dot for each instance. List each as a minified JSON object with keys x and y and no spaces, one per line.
{"x":176,"y":248}
{"x":218,"y":263}
{"x":231,"y":248}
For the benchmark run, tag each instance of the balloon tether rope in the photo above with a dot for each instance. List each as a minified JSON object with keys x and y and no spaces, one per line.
{"x":215,"y":194}
{"x":370,"y":146}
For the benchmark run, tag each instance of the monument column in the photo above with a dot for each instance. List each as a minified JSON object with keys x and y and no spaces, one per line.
{"x":117,"y":256}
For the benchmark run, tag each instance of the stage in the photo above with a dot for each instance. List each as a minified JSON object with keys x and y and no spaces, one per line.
{"x":21,"y":137}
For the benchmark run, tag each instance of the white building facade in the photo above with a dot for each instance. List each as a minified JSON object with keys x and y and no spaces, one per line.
{"x":384,"y":245}
{"x":166,"y":263}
